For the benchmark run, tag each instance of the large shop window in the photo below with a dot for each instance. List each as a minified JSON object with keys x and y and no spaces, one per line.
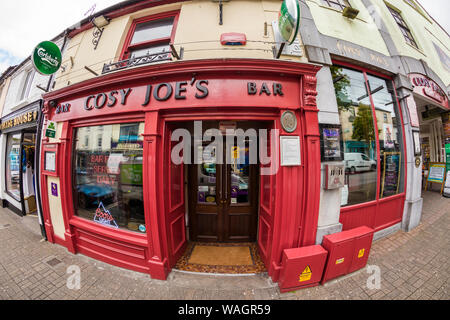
{"x":13,"y":165}
{"x":360,"y":134}
{"x":390,"y":135}
{"x":108,"y":184}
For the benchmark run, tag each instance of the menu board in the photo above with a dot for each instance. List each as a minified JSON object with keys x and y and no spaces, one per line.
{"x":391,"y":174}
{"x":436,"y":174}
{"x":290,"y":150}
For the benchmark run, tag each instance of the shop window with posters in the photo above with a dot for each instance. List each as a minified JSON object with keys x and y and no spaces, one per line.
{"x":390,"y":136}
{"x":358,"y":135}
{"x":13,"y":165}
{"x":108,"y":181}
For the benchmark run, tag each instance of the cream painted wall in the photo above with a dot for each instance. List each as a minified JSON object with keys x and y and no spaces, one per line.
{"x":4,"y":89}
{"x":56,"y":214}
{"x":198,"y":31}
{"x":362,"y":31}
{"x":425,"y":32}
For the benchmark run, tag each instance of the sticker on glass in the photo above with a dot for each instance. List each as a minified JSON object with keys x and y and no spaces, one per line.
{"x":103,"y":216}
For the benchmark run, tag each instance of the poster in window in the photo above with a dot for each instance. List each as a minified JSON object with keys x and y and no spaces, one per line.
{"x":331,"y":142}
{"x":416,"y":139}
{"x":388,"y":132}
{"x":391,"y":175}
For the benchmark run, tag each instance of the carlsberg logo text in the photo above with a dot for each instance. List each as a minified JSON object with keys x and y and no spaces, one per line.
{"x":47,"y":57}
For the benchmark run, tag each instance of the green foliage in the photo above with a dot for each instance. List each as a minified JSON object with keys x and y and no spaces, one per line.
{"x":363,"y":127}
{"x":341,"y":82}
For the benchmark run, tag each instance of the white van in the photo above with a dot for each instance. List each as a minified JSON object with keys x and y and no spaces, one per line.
{"x":357,"y":162}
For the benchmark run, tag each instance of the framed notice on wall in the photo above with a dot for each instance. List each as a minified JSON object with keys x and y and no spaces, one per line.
{"x":416,"y":140}
{"x":436,"y":174}
{"x":50,"y":161}
{"x":331,"y":145}
{"x":290,"y":150}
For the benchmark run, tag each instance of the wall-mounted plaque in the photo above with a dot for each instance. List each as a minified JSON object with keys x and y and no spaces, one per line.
{"x":288,"y":121}
{"x":290,"y":150}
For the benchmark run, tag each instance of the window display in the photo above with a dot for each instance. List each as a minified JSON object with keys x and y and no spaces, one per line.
{"x":390,"y":135}
{"x":358,"y":134}
{"x":108,"y":175}
{"x":362,"y":98}
{"x":13,"y":165}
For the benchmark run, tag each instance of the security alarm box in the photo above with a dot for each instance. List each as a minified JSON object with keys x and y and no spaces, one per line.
{"x":348,"y":251}
{"x":302,"y":267}
{"x":334,"y":176}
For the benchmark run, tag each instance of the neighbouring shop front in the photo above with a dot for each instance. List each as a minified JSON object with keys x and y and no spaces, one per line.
{"x":19,"y":132}
{"x":373,"y":147}
{"x":151,"y":168}
{"x":431,"y":118}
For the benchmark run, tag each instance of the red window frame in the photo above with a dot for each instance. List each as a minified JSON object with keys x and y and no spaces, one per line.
{"x":127,"y":45}
{"x":365,"y":72}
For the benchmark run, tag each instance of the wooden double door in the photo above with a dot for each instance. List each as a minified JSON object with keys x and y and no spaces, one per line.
{"x":223,"y":197}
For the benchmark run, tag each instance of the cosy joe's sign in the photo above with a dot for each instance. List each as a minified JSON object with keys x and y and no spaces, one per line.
{"x":429,"y":89}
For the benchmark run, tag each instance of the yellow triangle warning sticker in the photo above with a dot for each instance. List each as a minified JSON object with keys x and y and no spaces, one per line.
{"x":306,"y":274}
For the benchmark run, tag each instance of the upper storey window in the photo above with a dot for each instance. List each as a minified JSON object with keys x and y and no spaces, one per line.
{"x":337,"y":4}
{"x":148,"y":41}
{"x":403,"y":27}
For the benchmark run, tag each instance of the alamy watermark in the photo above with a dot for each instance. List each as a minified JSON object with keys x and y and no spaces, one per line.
{"x":236,"y":142}
{"x":374,"y":280}
{"x":74,"y":280}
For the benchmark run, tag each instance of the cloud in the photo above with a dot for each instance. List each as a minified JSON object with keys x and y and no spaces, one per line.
{"x":7,"y":59}
{"x":25,"y":23}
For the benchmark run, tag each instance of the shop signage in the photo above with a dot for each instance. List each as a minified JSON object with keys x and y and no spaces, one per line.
{"x":412,"y":108}
{"x":46,"y":58}
{"x":189,"y":93}
{"x":447,"y":155}
{"x":360,"y":53}
{"x":51,"y":129}
{"x":277,"y":89}
{"x":429,"y":89}
{"x":289,"y":20}
{"x":23,"y":118}
{"x":103,"y":216}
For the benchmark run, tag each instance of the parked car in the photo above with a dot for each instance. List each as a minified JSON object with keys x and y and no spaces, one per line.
{"x":357,"y":162}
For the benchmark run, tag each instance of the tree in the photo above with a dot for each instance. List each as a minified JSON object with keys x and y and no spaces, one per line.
{"x":341,"y":82}
{"x":363,"y":128}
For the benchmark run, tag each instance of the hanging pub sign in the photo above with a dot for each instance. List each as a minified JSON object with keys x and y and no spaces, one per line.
{"x":46,"y":58}
{"x":429,"y":89}
{"x":289,"y":20}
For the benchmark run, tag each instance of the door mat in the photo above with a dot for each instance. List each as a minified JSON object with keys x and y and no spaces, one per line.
{"x":232,"y":258}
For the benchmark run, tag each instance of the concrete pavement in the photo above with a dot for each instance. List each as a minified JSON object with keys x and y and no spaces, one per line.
{"x":413,"y":265}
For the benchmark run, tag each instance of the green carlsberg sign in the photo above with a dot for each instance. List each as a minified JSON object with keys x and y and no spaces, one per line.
{"x":289,"y":20}
{"x":46,"y":58}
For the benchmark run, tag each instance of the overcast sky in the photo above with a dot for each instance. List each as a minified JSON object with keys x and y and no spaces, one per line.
{"x":25,"y":23}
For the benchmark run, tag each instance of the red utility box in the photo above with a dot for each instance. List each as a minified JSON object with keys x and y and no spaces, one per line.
{"x":348,"y":251}
{"x":302,"y":267}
